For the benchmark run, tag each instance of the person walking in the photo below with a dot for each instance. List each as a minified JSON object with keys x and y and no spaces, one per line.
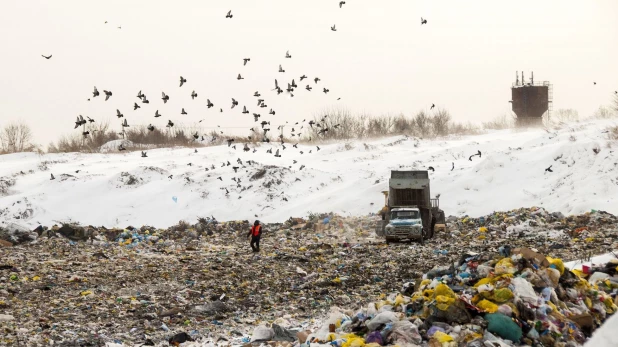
{"x":255,"y":234}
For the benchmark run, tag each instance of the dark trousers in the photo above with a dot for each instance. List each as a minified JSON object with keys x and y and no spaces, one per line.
{"x":255,"y":243}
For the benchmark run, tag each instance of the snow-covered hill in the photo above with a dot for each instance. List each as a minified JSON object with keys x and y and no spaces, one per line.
{"x":118,"y":189}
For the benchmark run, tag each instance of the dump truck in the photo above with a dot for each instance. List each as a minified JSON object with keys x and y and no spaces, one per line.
{"x":409,"y":212}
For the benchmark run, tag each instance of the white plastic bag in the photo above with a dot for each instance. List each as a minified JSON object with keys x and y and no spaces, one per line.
{"x":262,"y":333}
{"x":405,"y":333}
{"x":524,"y":290}
{"x":383,"y":318}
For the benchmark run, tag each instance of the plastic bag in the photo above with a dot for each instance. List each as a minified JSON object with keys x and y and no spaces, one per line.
{"x":524,"y":290}
{"x":557,"y":263}
{"x":503,"y":326}
{"x":487,"y":306}
{"x":505,"y":266}
{"x":502,"y":295}
{"x":404,"y":333}
{"x":375,"y":337}
{"x":262,"y":333}
{"x":382,"y":318}
{"x":442,"y":337}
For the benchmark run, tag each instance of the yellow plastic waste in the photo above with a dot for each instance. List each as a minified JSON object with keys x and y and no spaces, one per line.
{"x":502,"y":295}
{"x":557,"y":262}
{"x":399,"y":300}
{"x":86,"y":292}
{"x":36,"y":278}
{"x":589,"y":239}
{"x":487,"y":306}
{"x":354,"y":342}
{"x":337,"y":280}
{"x":505,"y":266}
{"x":444,"y":302}
{"x":482,"y":237}
{"x":482,"y":230}
{"x":579,"y":273}
{"x":482,"y":281}
{"x":442,"y":337}
{"x":302,"y":249}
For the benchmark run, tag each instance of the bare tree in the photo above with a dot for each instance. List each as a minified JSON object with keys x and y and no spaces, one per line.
{"x":604,"y":112}
{"x":440,"y":122}
{"x":15,"y":138}
{"x":421,"y":123}
{"x":565,"y":115}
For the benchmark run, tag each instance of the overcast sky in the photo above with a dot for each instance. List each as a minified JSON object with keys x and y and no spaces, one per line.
{"x":380,"y":60}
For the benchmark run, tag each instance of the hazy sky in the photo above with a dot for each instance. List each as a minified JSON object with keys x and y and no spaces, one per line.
{"x":380,"y":60}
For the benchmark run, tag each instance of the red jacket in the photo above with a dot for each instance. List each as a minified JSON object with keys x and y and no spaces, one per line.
{"x":256,"y":230}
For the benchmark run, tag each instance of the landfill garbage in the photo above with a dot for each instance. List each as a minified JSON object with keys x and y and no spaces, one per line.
{"x":86,"y":285}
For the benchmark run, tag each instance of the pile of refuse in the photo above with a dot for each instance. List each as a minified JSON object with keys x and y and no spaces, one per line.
{"x":523,"y":298}
{"x":89,"y":286}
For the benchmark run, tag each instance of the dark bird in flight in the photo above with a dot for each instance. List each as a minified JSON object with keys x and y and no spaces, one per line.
{"x":316,"y":80}
{"x":52,"y":177}
{"x":90,"y":120}
{"x":46,"y":57}
{"x":182,"y":81}
{"x":244,"y":110}
{"x":432,"y":106}
{"x":271,"y":112}
{"x":229,"y":142}
{"x":183,"y":111}
{"x":140,"y":95}
{"x":431,"y":168}
{"x":302,"y":77}
{"x":308,"y":87}
{"x":423,"y":21}
{"x":125,"y":124}
{"x":157,"y":115}
{"x":240,"y":77}
{"x":277,"y":154}
{"x":193,"y":95}
{"x":326,"y":91}
{"x":281,"y":68}
{"x":245,"y":61}
{"x":145,"y":100}
{"x":333,"y":28}
{"x":549,"y":169}
{"x":95,"y":93}
{"x":165,"y":98}
{"x":170,"y":124}
{"x":229,"y":14}
{"x":118,"y":114}
{"x":80,"y":121}
{"x":144,"y":155}
{"x":107,"y":94}
{"x":257,"y":94}
{"x":209,"y":104}
{"x":136,"y":106}
{"x":150,"y":127}
{"x":234,"y":103}
{"x":341,"y":3}
{"x":287,"y":54}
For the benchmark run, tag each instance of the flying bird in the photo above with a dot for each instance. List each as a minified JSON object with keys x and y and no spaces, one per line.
{"x":193,"y":95}
{"x":52,"y":177}
{"x":118,"y":114}
{"x":302,"y":77}
{"x":90,"y":120}
{"x":240,"y":77}
{"x":326,"y":91}
{"x":287,"y":54}
{"x":431,"y":168}
{"x":229,"y":14}
{"x":165,"y":98}
{"x":182,"y":81}
{"x":281,"y":68}
{"x":157,"y":115}
{"x":145,"y":100}
{"x":256,"y":116}
{"x":432,"y":106}
{"x":125,"y":124}
{"x":316,"y":80}
{"x":423,"y":21}
{"x":234,"y":103}
{"x":95,"y":93}
{"x":308,"y":87}
{"x":144,"y":155}
{"x":150,"y":127}
{"x":277,"y":154}
{"x":245,"y":61}
{"x":271,"y":112}
{"x":209,"y":104}
{"x":170,"y":124}
{"x":46,"y":57}
{"x":257,"y":95}
{"x":79,"y":122}
{"x":136,"y":106}
{"x":183,"y":111}
{"x":196,"y":135}
{"x":549,"y":169}
{"x":107,"y":94}
{"x":341,"y":3}
{"x":229,"y":142}
{"x":333,"y":28}
{"x":140,"y":95}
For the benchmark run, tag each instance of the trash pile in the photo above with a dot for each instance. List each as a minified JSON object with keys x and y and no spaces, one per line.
{"x":88,"y":286}
{"x":523,"y":298}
